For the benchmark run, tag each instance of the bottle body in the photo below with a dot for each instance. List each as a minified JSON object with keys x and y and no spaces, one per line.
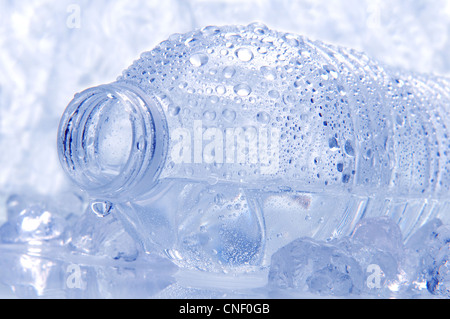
{"x":269,"y":115}
{"x":250,"y":105}
{"x":221,"y":226}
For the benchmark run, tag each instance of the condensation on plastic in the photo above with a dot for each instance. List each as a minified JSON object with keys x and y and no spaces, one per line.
{"x":337,"y":134}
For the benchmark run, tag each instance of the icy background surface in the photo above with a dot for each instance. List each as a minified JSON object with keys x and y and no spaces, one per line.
{"x":48,"y":52}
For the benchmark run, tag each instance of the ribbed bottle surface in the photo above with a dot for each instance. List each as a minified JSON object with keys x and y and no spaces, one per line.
{"x":252,"y":105}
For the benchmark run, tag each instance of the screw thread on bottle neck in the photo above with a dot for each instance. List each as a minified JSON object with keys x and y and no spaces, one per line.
{"x":111,"y":141}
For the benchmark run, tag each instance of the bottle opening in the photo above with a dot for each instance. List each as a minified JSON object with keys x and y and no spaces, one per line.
{"x":108,"y":140}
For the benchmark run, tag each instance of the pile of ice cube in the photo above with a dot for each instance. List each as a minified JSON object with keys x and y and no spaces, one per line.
{"x":50,"y":250}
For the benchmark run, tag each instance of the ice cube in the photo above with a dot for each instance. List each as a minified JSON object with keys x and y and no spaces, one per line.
{"x":318,"y":267}
{"x":31,"y":218}
{"x":438,"y":273}
{"x":380,"y":233}
{"x":430,"y":256}
{"x":105,"y":236}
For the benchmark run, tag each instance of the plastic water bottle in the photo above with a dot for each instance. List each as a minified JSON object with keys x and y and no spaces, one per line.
{"x":222,"y":144}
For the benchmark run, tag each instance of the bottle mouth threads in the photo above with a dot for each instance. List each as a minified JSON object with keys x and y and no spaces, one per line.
{"x":111,"y":140}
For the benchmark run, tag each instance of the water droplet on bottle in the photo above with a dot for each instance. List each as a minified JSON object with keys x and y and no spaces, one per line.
{"x":213,"y":99}
{"x":399,"y":82}
{"x":330,"y":70}
{"x":281,"y":57}
{"x":228,"y":72}
{"x":191,"y":42}
{"x":349,"y":150}
{"x":262,"y":50}
{"x":345,"y":178}
{"x":298,"y":84}
{"x":291,"y":39}
{"x":232,"y":36}
{"x":212,"y":180}
{"x":198,"y":59}
{"x":140,"y":145}
{"x":242,"y":89}
{"x":258,"y":28}
{"x":341,"y":90}
{"x":324,"y":75}
{"x":289,"y":98}
{"x":268,"y":73}
{"x":210,"y":30}
{"x":229,"y":115}
{"x":244,"y":54}
{"x":368,"y":155}
{"x":174,"y":110}
{"x":333,"y":144}
{"x":263,"y":117}
{"x":219,"y":199}
{"x":333,"y":73}
{"x":209,"y":115}
{"x":220,"y":89}
{"x":274,"y":94}
{"x":101,"y":208}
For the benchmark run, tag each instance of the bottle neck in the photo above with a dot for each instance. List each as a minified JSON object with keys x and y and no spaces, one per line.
{"x":112,"y":141}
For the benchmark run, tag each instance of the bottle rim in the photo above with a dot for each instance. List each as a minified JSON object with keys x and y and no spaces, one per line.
{"x":78,"y":136}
